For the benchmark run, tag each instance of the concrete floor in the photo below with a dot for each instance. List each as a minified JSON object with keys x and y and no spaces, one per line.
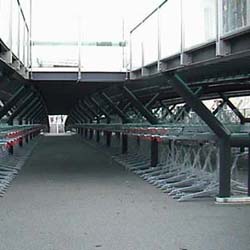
{"x":69,"y":196}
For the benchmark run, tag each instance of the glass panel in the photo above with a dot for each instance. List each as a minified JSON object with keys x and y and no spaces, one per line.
{"x":55,"y":56}
{"x":170,"y":19}
{"x":236,"y":14}
{"x":199,"y":17}
{"x":150,"y":39}
{"x":26,"y":49}
{"x":15,"y":17}
{"x":136,"y":39}
{"x":5,"y":21}
{"x":21,"y":54}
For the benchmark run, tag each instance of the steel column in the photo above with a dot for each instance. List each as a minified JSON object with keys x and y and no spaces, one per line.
{"x":248,"y":192}
{"x":154,"y":152}
{"x":225,"y":169}
{"x":108,"y":138}
{"x":124,"y":143}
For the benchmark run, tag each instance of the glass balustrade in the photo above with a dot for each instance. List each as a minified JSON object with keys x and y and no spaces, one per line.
{"x":199,"y":22}
{"x":14,"y":31}
{"x":170,"y":28}
{"x":184,"y":25}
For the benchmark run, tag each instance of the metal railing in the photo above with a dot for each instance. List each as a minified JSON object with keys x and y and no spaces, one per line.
{"x":177,"y":26}
{"x":15,"y":32}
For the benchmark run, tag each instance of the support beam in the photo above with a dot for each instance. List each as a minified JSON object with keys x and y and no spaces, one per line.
{"x":180,"y":115}
{"x":152,"y":101}
{"x":78,"y":116}
{"x":33,"y":110}
{"x":144,"y":111}
{"x":89,"y":108}
{"x":28,"y":108}
{"x":102,"y":110}
{"x":195,"y":103}
{"x":118,"y":111}
{"x":20,"y":108}
{"x":73,"y":117}
{"x":84,"y":114}
{"x":234,"y":109}
{"x":13,"y":100}
{"x":36,"y":113}
{"x":218,"y":108}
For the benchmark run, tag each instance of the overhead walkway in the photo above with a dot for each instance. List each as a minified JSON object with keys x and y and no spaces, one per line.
{"x":71,"y":195}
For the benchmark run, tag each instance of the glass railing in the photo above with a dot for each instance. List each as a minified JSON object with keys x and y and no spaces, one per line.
{"x":14,"y":29}
{"x":90,"y":56}
{"x":177,"y":26}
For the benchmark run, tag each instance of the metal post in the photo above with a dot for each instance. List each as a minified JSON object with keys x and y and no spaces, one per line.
{"x":159,"y":39}
{"x":79,"y":77}
{"x":27,"y":139}
{"x":91,"y":132}
{"x":154,"y":152}
{"x":30,"y":38}
{"x":130,"y":53}
{"x":224,"y":168}
{"x":86,"y":133}
{"x":21,"y":141}
{"x":124,"y":143}
{"x":97,"y":136}
{"x":248,"y":171}
{"x":11,"y":149}
{"x":182,"y":61}
{"x":142,"y":59}
{"x":108,"y":138}
{"x":138,"y":140}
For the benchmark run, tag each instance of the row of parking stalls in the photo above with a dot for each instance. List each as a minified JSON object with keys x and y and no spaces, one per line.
{"x":12,"y":153}
{"x":15,"y":33}
{"x":186,"y":169}
{"x":184,"y":166}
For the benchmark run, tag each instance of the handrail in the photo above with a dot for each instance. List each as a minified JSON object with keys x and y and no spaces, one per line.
{"x":148,"y":16}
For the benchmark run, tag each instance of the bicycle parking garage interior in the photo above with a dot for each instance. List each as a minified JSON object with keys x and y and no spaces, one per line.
{"x":125,"y":125}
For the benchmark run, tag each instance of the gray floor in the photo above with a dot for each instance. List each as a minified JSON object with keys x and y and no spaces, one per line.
{"x":70,"y":196}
